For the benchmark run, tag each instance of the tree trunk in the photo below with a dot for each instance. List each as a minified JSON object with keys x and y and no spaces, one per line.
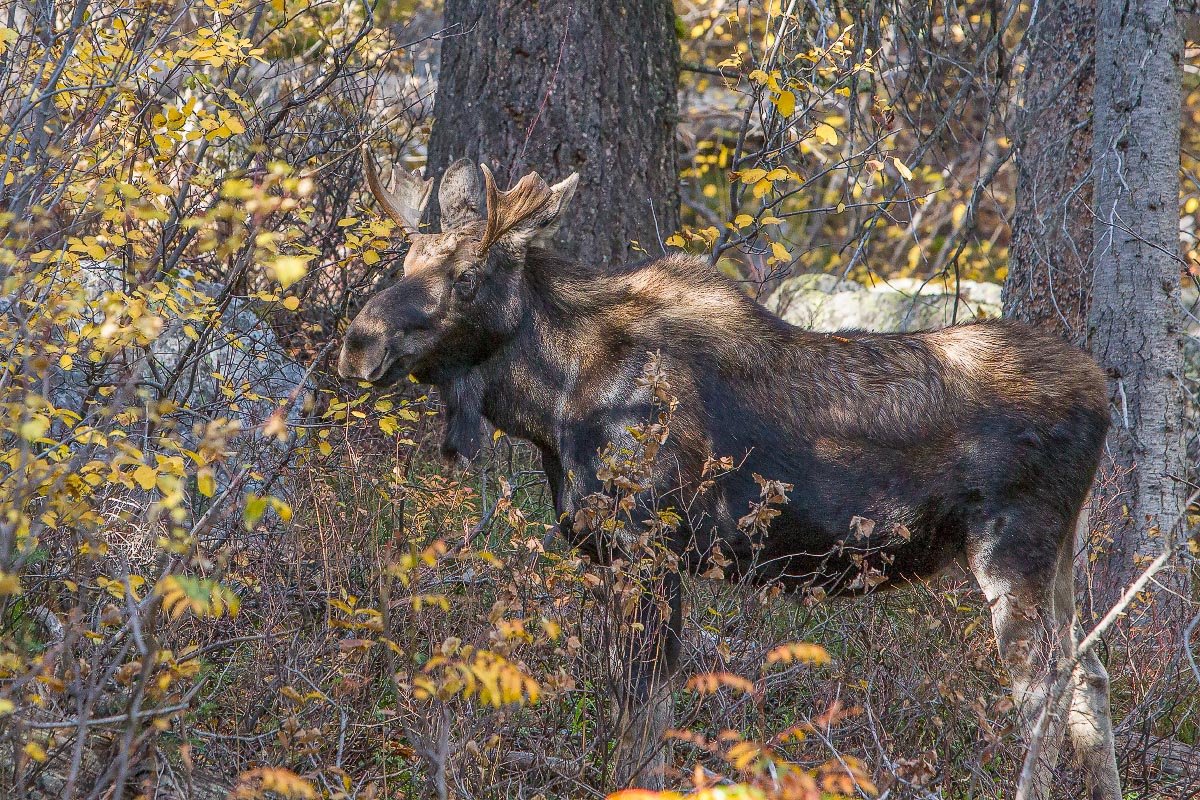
{"x":1135,"y":322}
{"x":1049,"y":263}
{"x":558,"y":86}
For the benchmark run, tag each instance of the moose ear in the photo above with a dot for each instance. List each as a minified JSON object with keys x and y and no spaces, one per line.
{"x":460,"y":195}
{"x":560,"y":198}
{"x":520,"y":216}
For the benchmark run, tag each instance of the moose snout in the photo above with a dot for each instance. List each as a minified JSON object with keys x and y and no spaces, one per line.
{"x":365,"y":355}
{"x":363,"y":366}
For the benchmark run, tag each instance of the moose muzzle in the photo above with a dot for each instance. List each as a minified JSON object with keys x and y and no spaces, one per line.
{"x":366,"y":352}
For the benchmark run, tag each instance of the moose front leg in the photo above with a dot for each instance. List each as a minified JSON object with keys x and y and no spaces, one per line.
{"x":645,"y":646}
{"x":624,"y":531}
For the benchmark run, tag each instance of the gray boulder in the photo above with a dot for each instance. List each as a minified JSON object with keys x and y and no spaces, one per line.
{"x":235,"y":368}
{"x":823,"y":302}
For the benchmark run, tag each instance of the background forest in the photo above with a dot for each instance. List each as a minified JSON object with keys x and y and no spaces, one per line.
{"x":226,"y":573}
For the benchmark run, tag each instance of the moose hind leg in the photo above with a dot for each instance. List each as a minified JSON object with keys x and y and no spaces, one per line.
{"x":1034,"y":643}
{"x":1090,"y":721}
{"x":1091,"y":727}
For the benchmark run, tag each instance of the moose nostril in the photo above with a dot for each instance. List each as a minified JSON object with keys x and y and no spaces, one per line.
{"x":381,"y":366}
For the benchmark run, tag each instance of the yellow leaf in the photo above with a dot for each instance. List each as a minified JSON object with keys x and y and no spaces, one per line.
{"x":205,"y":482}
{"x":291,"y":303}
{"x":675,"y":240}
{"x":35,"y":751}
{"x":370,"y":257}
{"x":6,"y":706}
{"x":35,"y":427}
{"x":282,"y":509}
{"x":903,"y":170}
{"x":146,"y":476}
{"x":276,"y":426}
{"x":799,"y":651}
{"x":752,"y":175}
{"x":742,"y":220}
{"x":710,"y":682}
{"x":779,"y":251}
{"x":253,"y":512}
{"x":7,"y":36}
{"x":289,"y":269}
{"x":346,"y":222}
{"x":786,"y":103}
{"x":826,"y":134}
{"x":10,"y":583}
{"x":284,"y":782}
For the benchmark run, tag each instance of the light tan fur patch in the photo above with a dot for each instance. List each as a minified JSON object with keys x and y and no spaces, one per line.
{"x":979,"y":354}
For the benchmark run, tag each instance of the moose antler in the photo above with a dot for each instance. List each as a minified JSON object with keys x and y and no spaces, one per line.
{"x":404,"y":204}
{"x":506,"y":210}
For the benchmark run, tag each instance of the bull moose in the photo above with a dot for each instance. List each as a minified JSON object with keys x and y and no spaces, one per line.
{"x":974,"y":444}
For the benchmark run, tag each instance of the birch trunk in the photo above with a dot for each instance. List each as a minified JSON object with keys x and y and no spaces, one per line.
{"x":1135,"y":328}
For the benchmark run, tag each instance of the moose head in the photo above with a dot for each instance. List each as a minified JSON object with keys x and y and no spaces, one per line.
{"x":461,"y":291}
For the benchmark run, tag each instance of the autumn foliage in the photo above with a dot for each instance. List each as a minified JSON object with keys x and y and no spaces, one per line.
{"x":225,"y":574}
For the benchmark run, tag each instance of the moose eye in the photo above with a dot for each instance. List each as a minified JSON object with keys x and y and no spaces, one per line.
{"x":465,"y":284}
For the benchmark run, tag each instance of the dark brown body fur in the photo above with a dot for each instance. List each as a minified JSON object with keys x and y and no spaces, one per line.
{"x":981,"y":434}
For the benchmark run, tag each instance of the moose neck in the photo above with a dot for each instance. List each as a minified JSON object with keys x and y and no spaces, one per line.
{"x":525,"y":386}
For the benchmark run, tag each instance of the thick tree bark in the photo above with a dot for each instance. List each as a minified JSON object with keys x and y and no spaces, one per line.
{"x":1049,"y":264}
{"x":563,"y":86}
{"x":1135,"y":323}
